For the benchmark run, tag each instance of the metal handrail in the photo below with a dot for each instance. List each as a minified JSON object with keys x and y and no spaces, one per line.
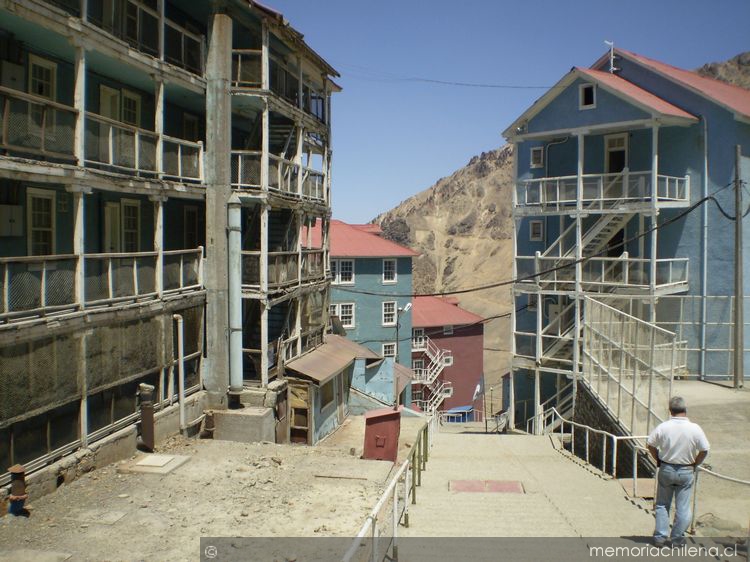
{"x":409,"y":475}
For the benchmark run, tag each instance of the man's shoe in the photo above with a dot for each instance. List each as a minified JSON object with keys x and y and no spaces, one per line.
{"x":658,"y":542}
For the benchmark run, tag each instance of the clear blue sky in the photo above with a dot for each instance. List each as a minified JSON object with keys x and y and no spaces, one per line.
{"x":393,"y":137}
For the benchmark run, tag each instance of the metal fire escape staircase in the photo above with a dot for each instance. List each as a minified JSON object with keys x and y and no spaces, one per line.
{"x":428,"y":377}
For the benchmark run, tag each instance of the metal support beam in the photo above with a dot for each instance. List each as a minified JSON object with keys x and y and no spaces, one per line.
{"x":739,"y":332}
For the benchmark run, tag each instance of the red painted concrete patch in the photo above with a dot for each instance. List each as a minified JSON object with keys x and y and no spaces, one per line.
{"x":490,"y":486}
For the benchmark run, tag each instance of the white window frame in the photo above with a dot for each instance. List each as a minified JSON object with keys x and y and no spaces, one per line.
{"x":31,"y":193}
{"x":35,"y":60}
{"x":447,"y":360}
{"x":395,"y":272}
{"x":125,"y":203}
{"x":536,"y":150}
{"x":334,"y":309}
{"x":128,"y":94}
{"x":387,"y":345}
{"x":608,"y":149}
{"x":581,"y":88}
{"x":395,"y":313}
{"x":336,"y":272}
{"x":536,"y":237}
{"x":448,"y":330}
{"x":417,"y":364}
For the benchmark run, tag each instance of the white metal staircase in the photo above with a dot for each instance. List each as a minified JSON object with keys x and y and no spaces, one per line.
{"x":427,"y":377}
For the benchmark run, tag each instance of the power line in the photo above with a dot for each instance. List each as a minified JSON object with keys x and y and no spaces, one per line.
{"x":506,"y":282}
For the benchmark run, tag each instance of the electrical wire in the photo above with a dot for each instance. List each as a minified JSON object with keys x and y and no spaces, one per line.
{"x":506,"y":282}
{"x":723,"y":212}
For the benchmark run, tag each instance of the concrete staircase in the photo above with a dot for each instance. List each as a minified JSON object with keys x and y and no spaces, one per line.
{"x":560,"y":499}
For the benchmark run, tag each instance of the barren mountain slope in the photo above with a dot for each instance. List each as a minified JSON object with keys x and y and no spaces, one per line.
{"x":462,"y":226}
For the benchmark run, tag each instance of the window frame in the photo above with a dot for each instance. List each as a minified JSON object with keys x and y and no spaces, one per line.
{"x":581,"y":96}
{"x":31,"y":193}
{"x":383,"y":313}
{"x":539,"y":150}
{"x":133,"y":203}
{"x":324,"y":390}
{"x":336,"y":272}
{"x":336,"y":307}
{"x":194,"y":222}
{"x":388,"y":344}
{"x":417,"y":364}
{"x":536,"y":237}
{"x":395,"y":272}
{"x":191,"y":121}
{"x":447,"y":360}
{"x":448,"y":330}
{"x":36,"y":60}
{"x":126,"y":94}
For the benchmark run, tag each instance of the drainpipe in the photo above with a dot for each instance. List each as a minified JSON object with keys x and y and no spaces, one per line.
{"x":234,"y":206}
{"x":180,"y":370}
{"x":704,"y":261}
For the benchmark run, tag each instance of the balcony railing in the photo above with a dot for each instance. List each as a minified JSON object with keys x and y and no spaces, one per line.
{"x":35,"y":125}
{"x":600,"y":191}
{"x":601,"y":274}
{"x":40,"y":285}
{"x":119,"y":146}
{"x":282,"y":268}
{"x":283,"y":175}
{"x":312,"y":265}
{"x":182,"y":160}
{"x":247,"y":67}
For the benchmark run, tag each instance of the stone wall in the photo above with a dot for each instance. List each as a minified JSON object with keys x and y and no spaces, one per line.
{"x":589,"y":411}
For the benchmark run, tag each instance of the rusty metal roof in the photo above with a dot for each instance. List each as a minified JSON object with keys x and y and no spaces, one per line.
{"x":328,"y":360}
{"x":404,"y":376}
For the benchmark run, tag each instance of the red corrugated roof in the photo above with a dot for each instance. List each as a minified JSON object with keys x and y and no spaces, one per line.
{"x":350,"y":241}
{"x":635,"y":93}
{"x":429,"y":312}
{"x":732,"y":97}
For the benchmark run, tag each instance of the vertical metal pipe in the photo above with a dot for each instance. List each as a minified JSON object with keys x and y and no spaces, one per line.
{"x":739,"y":340}
{"x":180,"y":370}
{"x":234,"y":217}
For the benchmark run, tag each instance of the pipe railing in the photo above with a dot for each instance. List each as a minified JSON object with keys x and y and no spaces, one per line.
{"x":39,"y":285}
{"x":392,"y":508}
{"x":606,"y":437}
{"x":32,"y":124}
{"x":182,"y":160}
{"x":120,"y":146}
{"x":600,"y":191}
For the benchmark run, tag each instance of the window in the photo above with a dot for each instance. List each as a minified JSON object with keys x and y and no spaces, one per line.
{"x":586,"y":96}
{"x":389,"y":313}
{"x":326,"y":394}
{"x":131,"y":225}
{"x":389,"y":349}
{"x":344,"y":312}
{"x":42,"y":77}
{"x":342,"y":272}
{"x":131,"y":108}
{"x":536,"y":231}
{"x":448,"y":360}
{"x":417,"y":338}
{"x":417,"y":364}
{"x":447,"y":330}
{"x":537,"y":157}
{"x":389,"y":271}
{"x":40,"y":220}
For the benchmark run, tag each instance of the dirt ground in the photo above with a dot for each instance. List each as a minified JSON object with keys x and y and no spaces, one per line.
{"x":224,"y":489}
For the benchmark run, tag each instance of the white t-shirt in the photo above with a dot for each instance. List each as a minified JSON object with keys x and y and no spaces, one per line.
{"x":678,"y":440}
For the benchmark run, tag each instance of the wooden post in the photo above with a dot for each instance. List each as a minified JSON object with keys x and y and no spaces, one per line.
{"x":79,"y":102}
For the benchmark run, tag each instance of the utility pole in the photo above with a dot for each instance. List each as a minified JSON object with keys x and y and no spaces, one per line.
{"x":739,"y":336}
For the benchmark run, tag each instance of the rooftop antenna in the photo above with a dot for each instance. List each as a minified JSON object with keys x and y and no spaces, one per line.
{"x":611,"y":45}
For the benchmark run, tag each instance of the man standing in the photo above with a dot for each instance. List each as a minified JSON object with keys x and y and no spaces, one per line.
{"x":679,"y":446}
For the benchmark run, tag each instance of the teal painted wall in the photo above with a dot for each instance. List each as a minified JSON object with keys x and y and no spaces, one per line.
{"x":368,"y":329}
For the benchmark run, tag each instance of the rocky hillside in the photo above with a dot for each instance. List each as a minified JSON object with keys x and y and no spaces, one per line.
{"x":734,"y":71}
{"x":462,"y":226}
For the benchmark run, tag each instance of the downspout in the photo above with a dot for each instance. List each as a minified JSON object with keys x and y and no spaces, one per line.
{"x":234,"y":207}
{"x":704,"y":261}
{"x":180,"y":370}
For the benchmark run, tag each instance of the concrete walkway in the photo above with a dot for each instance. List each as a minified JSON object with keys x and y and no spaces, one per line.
{"x":561,"y":499}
